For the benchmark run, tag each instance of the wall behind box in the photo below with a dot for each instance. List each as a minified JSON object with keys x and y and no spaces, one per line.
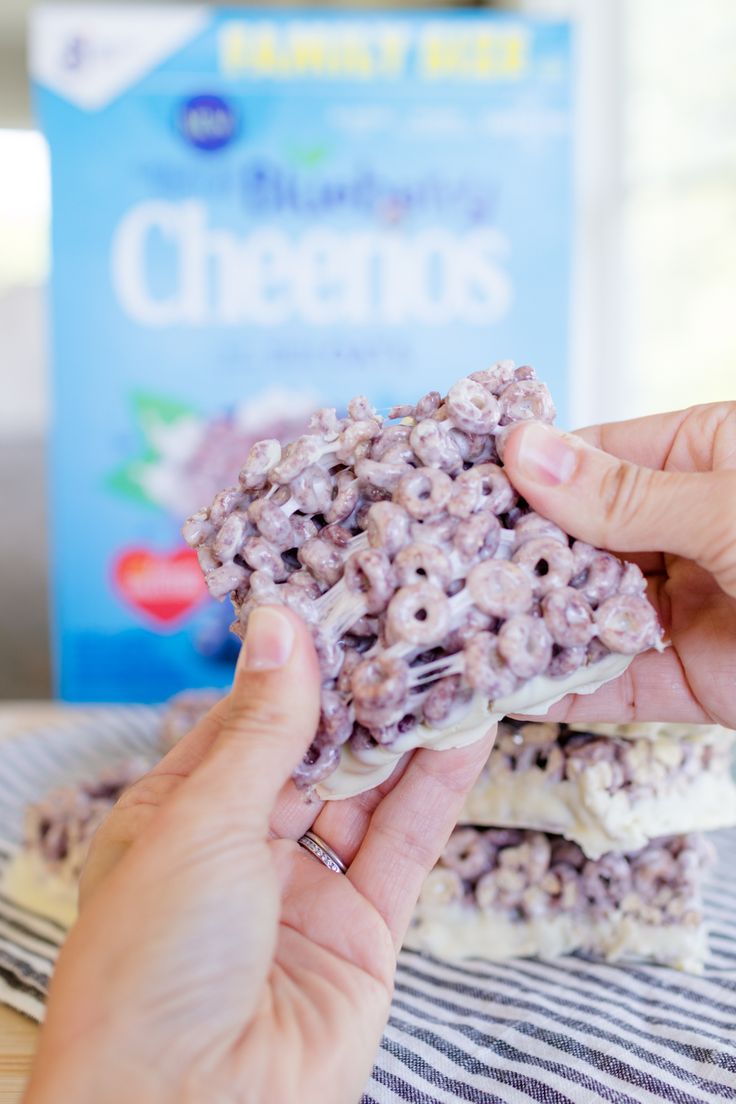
{"x":253,"y":215}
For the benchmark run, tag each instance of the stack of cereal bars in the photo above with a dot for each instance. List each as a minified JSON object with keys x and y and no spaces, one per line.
{"x":583,"y":838}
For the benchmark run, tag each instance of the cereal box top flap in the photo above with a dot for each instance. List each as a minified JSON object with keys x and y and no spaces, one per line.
{"x":90,"y":54}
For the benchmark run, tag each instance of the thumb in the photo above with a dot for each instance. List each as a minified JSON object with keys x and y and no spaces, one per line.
{"x":274,"y":710}
{"x":623,"y":507}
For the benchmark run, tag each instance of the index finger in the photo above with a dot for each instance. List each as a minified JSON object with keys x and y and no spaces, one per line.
{"x":653,"y":688}
{"x":681,"y":440}
{"x":410,"y":827}
{"x":188,"y":752}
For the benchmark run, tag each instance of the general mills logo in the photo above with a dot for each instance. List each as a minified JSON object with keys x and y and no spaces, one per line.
{"x":78,"y":52}
{"x":75,"y":53}
{"x":207,"y":122}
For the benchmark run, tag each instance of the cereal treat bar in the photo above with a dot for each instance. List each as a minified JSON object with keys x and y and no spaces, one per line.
{"x":182,"y":713}
{"x":438,"y":600}
{"x":500,"y":893}
{"x":607,"y":787}
{"x":44,"y":875}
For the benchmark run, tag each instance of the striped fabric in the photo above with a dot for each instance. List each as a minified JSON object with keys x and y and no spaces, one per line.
{"x":569,"y":1032}
{"x":30,"y":766}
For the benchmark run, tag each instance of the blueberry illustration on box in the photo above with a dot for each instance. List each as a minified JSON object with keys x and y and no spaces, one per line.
{"x":255,"y":215}
{"x":183,"y":461}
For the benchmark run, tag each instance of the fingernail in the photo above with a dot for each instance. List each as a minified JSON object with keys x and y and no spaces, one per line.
{"x":543,"y":455}
{"x":268,"y":642}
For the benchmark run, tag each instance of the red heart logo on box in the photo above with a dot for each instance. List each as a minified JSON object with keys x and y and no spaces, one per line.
{"x":162,"y":585}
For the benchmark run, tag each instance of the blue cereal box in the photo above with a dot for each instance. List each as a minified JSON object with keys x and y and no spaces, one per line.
{"x":255,"y":214}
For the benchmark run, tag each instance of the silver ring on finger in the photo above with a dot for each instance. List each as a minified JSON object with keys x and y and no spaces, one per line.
{"x":316,"y":846}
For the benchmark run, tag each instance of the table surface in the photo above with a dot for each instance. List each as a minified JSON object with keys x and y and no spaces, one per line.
{"x":18,"y":1034}
{"x":18,"y":1037}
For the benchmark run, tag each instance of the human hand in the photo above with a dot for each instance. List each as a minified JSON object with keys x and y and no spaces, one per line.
{"x":215,"y":960}
{"x":664,"y":488}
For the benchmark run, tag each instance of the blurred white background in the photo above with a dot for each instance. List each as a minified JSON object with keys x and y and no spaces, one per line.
{"x":655,"y":289}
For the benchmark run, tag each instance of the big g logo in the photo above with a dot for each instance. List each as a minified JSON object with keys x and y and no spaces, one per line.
{"x":207,"y":122}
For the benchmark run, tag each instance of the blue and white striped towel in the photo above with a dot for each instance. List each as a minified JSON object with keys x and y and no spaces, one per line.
{"x":570,"y":1032}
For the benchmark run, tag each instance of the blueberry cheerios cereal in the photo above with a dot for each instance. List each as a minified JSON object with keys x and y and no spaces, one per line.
{"x":499,"y":893}
{"x":438,"y":600}
{"x":607,"y":787}
{"x":58,"y":830}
